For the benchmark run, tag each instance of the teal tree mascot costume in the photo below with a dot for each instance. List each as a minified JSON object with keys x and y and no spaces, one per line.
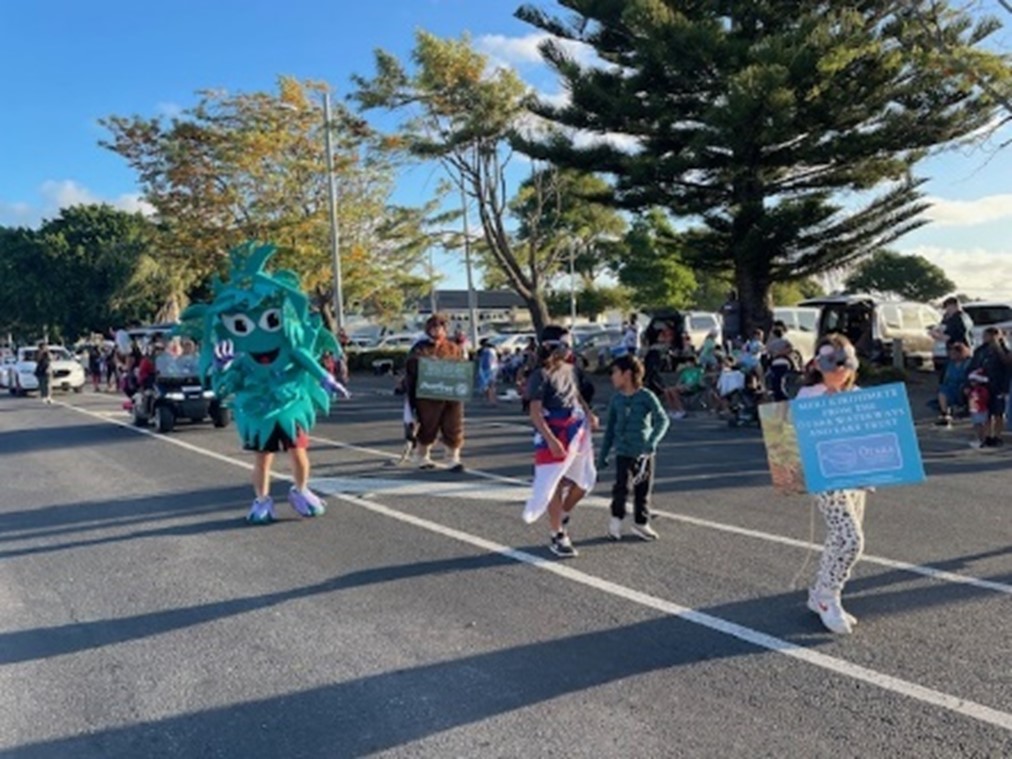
{"x":261,"y":346}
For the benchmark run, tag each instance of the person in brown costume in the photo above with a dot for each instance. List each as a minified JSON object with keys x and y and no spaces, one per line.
{"x":435,"y":417}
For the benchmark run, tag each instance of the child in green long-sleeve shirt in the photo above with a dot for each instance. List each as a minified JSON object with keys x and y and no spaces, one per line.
{"x":636,"y":424}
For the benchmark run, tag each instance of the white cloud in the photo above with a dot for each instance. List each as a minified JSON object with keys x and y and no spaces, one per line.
{"x":54,"y":194}
{"x":978,"y":272}
{"x":966,"y":213}
{"x":523,"y":51}
{"x":172,"y":110}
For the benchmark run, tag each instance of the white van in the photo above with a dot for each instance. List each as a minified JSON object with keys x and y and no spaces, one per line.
{"x":802,"y":324}
{"x":872,"y":324}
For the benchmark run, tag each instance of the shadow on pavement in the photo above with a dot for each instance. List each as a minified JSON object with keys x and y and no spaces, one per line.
{"x":15,"y":442}
{"x":67,"y":518}
{"x":345,"y":719}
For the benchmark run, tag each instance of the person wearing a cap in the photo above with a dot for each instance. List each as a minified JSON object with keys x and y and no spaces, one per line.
{"x":836,"y":367}
{"x":435,"y":417}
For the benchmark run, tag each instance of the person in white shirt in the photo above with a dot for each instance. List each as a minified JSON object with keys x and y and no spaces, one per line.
{"x":631,"y":339}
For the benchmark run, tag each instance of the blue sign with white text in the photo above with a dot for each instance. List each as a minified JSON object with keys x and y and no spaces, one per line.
{"x":863,"y":438}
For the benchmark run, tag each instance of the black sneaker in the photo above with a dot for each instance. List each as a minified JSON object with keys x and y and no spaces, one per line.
{"x":997,"y":442}
{"x":562,"y":546}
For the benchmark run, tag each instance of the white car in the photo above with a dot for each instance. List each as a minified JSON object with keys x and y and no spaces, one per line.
{"x":398,"y":341}
{"x":983,"y":314}
{"x":699,"y":324}
{"x":508,"y":342}
{"x":68,"y":374}
{"x":7,"y":360}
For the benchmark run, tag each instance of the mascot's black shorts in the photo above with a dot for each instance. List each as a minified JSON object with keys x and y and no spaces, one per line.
{"x":279,"y":440}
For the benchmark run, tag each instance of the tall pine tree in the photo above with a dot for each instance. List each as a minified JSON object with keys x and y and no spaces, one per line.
{"x":787,"y":130}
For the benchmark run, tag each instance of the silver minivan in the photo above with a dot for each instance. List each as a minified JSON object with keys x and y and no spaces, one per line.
{"x":802,"y":324}
{"x":872,"y":324}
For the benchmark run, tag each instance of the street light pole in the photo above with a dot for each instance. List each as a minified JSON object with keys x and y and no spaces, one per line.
{"x":572,"y":284}
{"x":335,"y":240}
{"x":472,"y":305}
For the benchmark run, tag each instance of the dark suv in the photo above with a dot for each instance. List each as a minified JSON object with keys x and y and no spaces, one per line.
{"x":681,"y":345}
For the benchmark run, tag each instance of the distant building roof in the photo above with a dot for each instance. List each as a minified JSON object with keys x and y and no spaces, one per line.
{"x":456,"y":300}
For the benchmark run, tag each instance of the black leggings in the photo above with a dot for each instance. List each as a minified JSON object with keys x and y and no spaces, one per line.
{"x":627,"y":468}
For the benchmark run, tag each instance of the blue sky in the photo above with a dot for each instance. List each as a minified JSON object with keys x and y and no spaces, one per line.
{"x":67,"y":63}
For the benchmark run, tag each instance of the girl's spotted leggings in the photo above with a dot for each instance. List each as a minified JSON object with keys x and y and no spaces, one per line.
{"x":843,"y":511}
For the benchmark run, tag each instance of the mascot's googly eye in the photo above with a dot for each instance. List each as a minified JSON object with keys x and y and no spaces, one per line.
{"x":239,"y":325}
{"x":271,"y":320}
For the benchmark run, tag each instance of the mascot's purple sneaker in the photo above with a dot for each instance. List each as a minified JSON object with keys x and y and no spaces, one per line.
{"x":262,"y":511}
{"x":306,"y":502}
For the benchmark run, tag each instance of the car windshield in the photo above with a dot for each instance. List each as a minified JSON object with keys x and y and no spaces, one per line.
{"x":984,"y":315}
{"x":55,"y":354}
{"x":177,"y":366}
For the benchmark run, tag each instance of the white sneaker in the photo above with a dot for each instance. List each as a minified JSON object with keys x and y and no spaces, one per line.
{"x":677,"y":415}
{"x":615,"y":528}
{"x":645,"y":531}
{"x":830,"y":610}
{"x":976,"y":444}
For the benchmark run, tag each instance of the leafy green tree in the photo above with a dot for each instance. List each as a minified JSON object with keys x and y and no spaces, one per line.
{"x":84,"y":271}
{"x":794,"y":291}
{"x":590,"y":302}
{"x":460,"y":111}
{"x":252,"y":166}
{"x":758,"y":117}
{"x":910,"y":277}
{"x":652,"y":266}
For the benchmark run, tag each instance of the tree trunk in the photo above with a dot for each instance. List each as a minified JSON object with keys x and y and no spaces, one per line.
{"x":754,"y":286}
{"x":539,"y":310}
{"x":325,"y":303}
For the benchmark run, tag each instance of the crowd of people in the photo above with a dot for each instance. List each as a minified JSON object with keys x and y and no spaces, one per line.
{"x":558,"y":399}
{"x":561,"y":414}
{"x":974,"y":383}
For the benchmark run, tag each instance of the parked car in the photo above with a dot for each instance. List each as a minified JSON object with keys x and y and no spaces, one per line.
{"x":7,"y":360}
{"x":802,"y":328}
{"x":681,"y":347}
{"x":983,"y":314}
{"x":595,"y":350}
{"x":68,"y":374}
{"x":398,"y":341}
{"x":872,"y":324}
{"x":699,"y":324}
{"x":508,"y":342}
{"x":988,"y":314}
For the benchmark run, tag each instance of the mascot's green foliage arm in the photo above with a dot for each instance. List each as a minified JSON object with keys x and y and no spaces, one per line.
{"x":273,"y":369}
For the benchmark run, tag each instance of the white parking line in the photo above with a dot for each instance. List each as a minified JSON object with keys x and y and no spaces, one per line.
{"x":603,"y":503}
{"x":757,"y":638}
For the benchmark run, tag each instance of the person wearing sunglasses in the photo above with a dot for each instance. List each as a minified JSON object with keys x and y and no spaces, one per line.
{"x":835,"y":371}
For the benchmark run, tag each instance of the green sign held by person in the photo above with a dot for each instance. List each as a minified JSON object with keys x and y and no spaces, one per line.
{"x":442,"y":380}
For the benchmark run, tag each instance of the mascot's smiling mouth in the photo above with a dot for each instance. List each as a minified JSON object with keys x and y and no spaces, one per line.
{"x":266,"y":358}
